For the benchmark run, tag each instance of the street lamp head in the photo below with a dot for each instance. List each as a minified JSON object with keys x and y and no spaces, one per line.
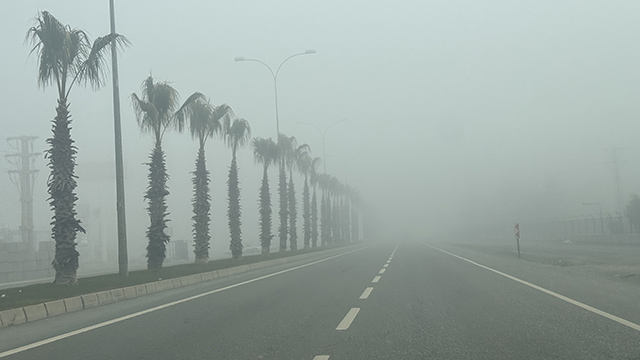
{"x":310,"y":51}
{"x":239,"y":58}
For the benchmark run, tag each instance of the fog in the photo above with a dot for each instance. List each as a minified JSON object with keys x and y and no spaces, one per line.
{"x":463,"y":117}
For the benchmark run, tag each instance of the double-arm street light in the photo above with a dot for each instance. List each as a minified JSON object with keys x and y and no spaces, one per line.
{"x":323,"y":133}
{"x":275,"y":79}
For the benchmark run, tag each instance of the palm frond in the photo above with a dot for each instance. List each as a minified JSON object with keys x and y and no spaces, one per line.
{"x":92,"y":69}
{"x":265,"y":151}
{"x":189,"y":108}
{"x":238,"y":134}
{"x":145,"y":114}
{"x":59,"y":49}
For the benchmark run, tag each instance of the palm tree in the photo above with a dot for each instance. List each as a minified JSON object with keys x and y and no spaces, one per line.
{"x":325,"y":228}
{"x":286,"y":148}
{"x":265,"y":152}
{"x":304,"y":166}
{"x":204,"y":122}
{"x":292,"y":162}
{"x":237,"y":134}
{"x":314,"y":204}
{"x":66,"y":57}
{"x":155,"y":114}
{"x":335,"y":189}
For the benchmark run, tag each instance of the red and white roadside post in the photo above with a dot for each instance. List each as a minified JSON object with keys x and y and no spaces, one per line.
{"x":517,"y":230}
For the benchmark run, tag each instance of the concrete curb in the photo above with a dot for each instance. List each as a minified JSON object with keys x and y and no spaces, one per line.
{"x":53,"y":308}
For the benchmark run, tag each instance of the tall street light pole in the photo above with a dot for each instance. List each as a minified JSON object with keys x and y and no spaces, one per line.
{"x":275,"y":79}
{"x":322,"y":134}
{"x":123,"y":260}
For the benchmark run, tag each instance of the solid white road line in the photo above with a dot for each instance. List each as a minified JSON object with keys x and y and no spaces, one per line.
{"x":549,"y":292}
{"x":366,"y":293}
{"x":376,"y":279}
{"x":321,"y":357}
{"x":160,"y":307}
{"x":348,"y":319}
{"x":382,"y":271}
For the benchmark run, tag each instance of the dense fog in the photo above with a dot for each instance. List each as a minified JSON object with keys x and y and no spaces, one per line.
{"x":462,"y":117}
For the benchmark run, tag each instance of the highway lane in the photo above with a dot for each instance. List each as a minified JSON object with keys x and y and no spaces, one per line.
{"x":382,"y":302}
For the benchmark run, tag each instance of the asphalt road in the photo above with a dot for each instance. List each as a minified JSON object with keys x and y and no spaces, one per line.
{"x":373,"y":303}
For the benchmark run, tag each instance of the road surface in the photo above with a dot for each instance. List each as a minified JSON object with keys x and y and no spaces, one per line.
{"x":406,"y":300}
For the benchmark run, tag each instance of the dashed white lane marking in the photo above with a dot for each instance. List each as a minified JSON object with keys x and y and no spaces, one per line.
{"x":321,"y":357}
{"x":385,"y":265}
{"x":376,"y":279}
{"x":348,"y":319}
{"x":382,"y":271}
{"x":160,"y":307}
{"x":366,"y":293}
{"x":617,"y":319}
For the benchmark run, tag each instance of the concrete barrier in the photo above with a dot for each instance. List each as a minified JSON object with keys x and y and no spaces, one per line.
{"x":55,"y":308}
{"x":207,"y":276}
{"x":141,"y":290}
{"x":185,"y":280}
{"x":223,"y":272}
{"x":167,"y":284}
{"x":176,"y":283}
{"x":35,"y":312}
{"x":130,"y":292}
{"x":117,"y":295}
{"x":104,"y":297}
{"x":150,"y":287}
{"x":13,"y":317}
{"x":90,"y":300}
{"x":73,"y":304}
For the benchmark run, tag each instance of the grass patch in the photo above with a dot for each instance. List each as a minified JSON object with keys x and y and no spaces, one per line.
{"x":40,"y":293}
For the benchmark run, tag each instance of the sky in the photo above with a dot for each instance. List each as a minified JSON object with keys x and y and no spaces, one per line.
{"x":460,"y":115}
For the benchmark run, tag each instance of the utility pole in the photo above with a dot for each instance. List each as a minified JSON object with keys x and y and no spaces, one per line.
{"x":123,"y":257}
{"x":25,"y":178}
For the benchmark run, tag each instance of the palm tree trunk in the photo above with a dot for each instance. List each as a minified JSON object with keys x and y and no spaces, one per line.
{"x":306,"y":216}
{"x":265,"y":214}
{"x":336,"y":221}
{"x":314,"y":219}
{"x":62,"y":198}
{"x":155,"y":195}
{"x":326,"y":220}
{"x":293,"y":232}
{"x":234,"y":211}
{"x":201,"y":209}
{"x":284,"y":212}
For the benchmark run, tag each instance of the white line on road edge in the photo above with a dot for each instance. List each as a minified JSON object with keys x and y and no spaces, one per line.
{"x":366,"y":293}
{"x":375,"y":279}
{"x":160,"y":307}
{"x":348,"y":319}
{"x":382,"y":271}
{"x":321,"y":357}
{"x":605,"y":314}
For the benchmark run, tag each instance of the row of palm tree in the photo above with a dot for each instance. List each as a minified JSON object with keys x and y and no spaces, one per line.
{"x":340,"y":200}
{"x":156,"y":112}
{"x":66,"y":57}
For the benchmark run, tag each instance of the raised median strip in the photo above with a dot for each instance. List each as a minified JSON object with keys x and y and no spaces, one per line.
{"x":35,"y":312}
